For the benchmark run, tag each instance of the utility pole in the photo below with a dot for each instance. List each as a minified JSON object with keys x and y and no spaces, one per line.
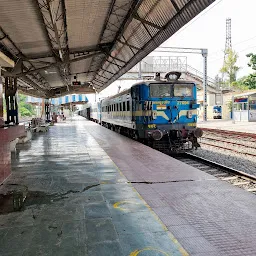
{"x":205,"y":54}
{"x":228,"y":43}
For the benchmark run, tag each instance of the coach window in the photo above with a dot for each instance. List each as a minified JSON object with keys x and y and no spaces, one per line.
{"x":128,"y":106}
{"x":124,"y":106}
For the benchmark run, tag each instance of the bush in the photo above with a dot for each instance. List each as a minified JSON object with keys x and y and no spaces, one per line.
{"x":24,"y":112}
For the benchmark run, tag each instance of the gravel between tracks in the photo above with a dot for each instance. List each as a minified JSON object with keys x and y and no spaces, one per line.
{"x":237,"y":161}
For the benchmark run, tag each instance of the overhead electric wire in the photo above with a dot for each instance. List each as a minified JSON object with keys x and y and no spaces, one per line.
{"x":250,"y":47}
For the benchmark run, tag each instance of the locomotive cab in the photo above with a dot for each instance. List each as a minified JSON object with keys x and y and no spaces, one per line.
{"x":169,"y":113}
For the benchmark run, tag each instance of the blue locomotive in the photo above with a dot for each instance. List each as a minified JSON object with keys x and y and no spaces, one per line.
{"x":161,"y":113}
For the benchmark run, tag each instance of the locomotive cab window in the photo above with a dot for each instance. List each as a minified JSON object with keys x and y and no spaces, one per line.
{"x":160,"y":90}
{"x":183,"y":90}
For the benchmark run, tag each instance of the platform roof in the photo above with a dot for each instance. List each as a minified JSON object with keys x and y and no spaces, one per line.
{"x":51,"y":41}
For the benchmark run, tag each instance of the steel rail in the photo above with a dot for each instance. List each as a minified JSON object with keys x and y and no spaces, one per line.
{"x":229,"y":149}
{"x":229,"y":142}
{"x":218,"y":165}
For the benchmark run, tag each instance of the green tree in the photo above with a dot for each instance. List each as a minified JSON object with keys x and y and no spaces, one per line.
{"x":252,"y":62}
{"x":240,"y":84}
{"x":250,"y":81}
{"x":25,"y":109}
{"x":229,"y":67}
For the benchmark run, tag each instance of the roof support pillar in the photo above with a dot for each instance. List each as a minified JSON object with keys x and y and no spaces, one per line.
{"x":11,"y":100}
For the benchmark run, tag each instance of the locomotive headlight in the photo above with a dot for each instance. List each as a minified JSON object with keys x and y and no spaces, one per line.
{"x":189,"y":114}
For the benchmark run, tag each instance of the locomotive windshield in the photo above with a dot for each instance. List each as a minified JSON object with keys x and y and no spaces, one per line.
{"x":160,"y":90}
{"x":183,"y":90}
{"x":171,"y":90}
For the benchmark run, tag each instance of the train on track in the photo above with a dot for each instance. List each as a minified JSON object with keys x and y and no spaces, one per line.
{"x":161,"y":113}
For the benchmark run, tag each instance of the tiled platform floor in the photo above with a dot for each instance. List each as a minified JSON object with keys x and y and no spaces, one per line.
{"x":228,"y":125}
{"x":207,"y":216}
{"x":77,"y":202}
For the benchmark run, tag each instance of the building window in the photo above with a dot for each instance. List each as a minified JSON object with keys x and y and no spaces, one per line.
{"x":124,"y":108}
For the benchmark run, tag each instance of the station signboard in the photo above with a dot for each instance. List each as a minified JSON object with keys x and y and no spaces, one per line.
{"x":76,"y":83}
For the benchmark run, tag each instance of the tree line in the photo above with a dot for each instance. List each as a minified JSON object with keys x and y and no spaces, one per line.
{"x":230,"y":70}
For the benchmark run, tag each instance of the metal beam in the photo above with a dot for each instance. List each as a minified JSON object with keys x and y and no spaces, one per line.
{"x":113,"y":63}
{"x":112,"y":4}
{"x":99,"y":81}
{"x":137,"y":17}
{"x":102,"y":76}
{"x":98,"y":47}
{"x":175,"y":6}
{"x":133,"y":8}
{"x":17,"y":55}
{"x":78,"y":52}
{"x":107,"y":71}
{"x":56,"y":64}
{"x":127,"y":44}
{"x":56,"y":33}
{"x":115,"y":58}
{"x":166,"y":31}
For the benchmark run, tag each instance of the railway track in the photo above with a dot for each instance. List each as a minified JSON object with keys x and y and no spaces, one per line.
{"x":229,"y":149}
{"x":235,"y":177}
{"x":231,"y":134}
{"x":237,"y":142}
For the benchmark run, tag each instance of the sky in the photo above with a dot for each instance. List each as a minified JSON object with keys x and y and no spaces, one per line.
{"x":208,"y":30}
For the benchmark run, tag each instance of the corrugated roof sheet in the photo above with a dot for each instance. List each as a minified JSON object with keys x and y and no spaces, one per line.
{"x":138,"y":25}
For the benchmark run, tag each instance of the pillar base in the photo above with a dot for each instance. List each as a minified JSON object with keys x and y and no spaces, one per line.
{"x":6,"y":136}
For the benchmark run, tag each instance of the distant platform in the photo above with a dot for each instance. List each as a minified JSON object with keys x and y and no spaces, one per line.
{"x":228,"y":125}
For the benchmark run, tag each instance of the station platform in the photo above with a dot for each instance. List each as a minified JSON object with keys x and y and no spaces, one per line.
{"x":228,"y":125}
{"x":91,"y":191}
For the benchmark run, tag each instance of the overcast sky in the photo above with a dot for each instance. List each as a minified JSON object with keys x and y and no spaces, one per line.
{"x":208,"y":30}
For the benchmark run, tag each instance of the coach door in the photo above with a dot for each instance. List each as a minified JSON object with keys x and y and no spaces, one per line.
{"x":135,"y":99}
